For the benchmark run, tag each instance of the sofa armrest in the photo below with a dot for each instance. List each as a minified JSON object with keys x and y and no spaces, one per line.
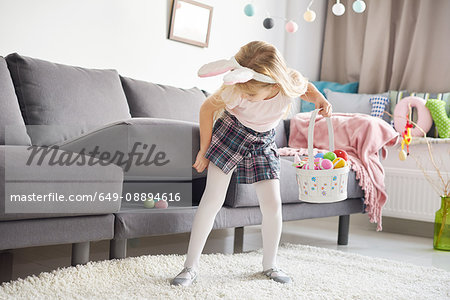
{"x":154,"y":149}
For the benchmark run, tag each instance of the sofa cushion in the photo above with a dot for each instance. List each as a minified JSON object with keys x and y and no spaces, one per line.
{"x":152,"y":100}
{"x":440,"y":118}
{"x":351,"y":103}
{"x":158,"y":222}
{"x":71,"y":100}
{"x":129,"y":220}
{"x":351,"y":87}
{"x":12,"y":127}
{"x":241,"y":195}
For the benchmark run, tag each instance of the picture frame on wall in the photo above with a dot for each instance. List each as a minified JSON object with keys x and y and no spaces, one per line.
{"x":191,"y":22}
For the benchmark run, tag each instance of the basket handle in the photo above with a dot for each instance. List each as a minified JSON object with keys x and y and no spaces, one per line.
{"x":311,"y":137}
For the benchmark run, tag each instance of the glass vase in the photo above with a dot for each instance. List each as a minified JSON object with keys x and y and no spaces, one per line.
{"x":441,"y":239}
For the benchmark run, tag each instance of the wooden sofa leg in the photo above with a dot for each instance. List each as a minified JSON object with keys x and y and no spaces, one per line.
{"x":238,"y":239}
{"x":118,"y":249}
{"x":344,"y":222}
{"x":6,"y":266}
{"x":80,"y":253}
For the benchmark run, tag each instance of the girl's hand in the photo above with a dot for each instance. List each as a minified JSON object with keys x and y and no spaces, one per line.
{"x":314,"y":96}
{"x":325,"y":107}
{"x":201,"y":163}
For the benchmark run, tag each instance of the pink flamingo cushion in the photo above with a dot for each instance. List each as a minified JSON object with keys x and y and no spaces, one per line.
{"x":424,"y":119}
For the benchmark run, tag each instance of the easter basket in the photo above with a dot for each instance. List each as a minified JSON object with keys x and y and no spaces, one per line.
{"x":321,"y":186}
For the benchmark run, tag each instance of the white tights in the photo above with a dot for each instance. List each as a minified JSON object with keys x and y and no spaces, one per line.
{"x":268,"y":193}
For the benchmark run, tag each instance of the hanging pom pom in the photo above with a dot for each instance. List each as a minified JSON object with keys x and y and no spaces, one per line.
{"x":359,"y":6}
{"x":268,"y":23}
{"x":309,"y":16}
{"x":291,"y":26}
{"x":249,"y":10}
{"x":338,"y":8}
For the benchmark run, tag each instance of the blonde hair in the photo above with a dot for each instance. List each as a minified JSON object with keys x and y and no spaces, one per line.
{"x":263,"y":58}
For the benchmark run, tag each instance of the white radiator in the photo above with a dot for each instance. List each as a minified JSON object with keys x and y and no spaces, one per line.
{"x":410,"y":195}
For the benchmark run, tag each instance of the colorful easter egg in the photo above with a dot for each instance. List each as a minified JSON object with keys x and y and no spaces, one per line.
{"x":161,"y":204}
{"x":149,"y":203}
{"x":306,"y":167}
{"x":317,"y":161}
{"x":330,"y":155}
{"x":326,"y":164}
{"x":342,"y":154}
{"x":339,"y":163}
{"x":319,"y":155}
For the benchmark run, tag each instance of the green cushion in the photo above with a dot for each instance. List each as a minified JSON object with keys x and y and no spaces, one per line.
{"x":440,"y":118}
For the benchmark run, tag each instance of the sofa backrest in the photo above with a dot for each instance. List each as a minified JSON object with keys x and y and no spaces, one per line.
{"x":12,"y":126}
{"x":151,"y":100}
{"x":70,"y":100}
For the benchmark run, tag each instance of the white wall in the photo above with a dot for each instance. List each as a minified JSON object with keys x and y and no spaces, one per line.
{"x":131,"y":36}
{"x":303,"y":50}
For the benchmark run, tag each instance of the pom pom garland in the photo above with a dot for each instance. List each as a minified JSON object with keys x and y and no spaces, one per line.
{"x":338,"y":9}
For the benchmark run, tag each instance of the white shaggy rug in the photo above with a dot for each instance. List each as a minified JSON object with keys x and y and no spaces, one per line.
{"x":317,"y":273}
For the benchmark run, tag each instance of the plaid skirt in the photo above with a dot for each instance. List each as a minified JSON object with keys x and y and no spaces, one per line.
{"x":255,"y":153}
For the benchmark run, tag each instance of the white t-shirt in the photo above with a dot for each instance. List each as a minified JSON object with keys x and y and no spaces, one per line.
{"x":261,"y":115}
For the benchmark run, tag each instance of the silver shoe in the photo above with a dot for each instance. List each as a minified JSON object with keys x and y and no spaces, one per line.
{"x":278,"y":275}
{"x":185,"y":281}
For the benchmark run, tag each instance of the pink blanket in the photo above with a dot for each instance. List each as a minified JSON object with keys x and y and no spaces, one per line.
{"x":362,"y":137}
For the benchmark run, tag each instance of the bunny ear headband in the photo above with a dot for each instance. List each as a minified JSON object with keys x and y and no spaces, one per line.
{"x":238,"y":73}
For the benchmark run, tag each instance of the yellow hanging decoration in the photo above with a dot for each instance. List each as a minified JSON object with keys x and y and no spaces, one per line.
{"x":406,"y":137}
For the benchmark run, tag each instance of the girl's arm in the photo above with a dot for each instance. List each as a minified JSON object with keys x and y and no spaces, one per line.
{"x":206,"y":120}
{"x":313,"y":95}
{"x":209,"y":106}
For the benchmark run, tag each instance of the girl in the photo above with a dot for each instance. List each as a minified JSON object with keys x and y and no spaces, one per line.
{"x":256,"y":94}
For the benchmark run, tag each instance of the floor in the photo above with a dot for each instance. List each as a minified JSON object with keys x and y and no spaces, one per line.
{"x":363,"y":240}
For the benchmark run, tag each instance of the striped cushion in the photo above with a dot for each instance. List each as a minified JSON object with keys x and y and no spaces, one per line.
{"x":396,"y":96}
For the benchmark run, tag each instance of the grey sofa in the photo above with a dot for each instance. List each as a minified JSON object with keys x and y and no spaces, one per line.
{"x":150,"y":135}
